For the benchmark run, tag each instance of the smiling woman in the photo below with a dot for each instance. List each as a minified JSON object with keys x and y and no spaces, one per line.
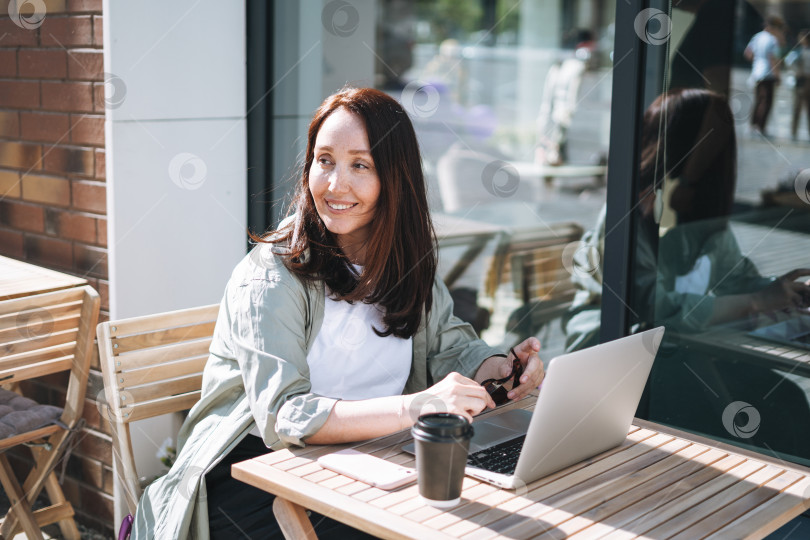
{"x":333,"y":329}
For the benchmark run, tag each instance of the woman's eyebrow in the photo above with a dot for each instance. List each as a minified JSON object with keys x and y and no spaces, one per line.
{"x":330,"y":149}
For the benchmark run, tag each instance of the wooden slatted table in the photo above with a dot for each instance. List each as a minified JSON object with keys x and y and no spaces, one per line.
{"x":659,"y":483}
{"x":18,"y":279}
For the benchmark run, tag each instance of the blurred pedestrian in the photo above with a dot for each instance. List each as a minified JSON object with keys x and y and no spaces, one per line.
{"x":801,"y":97}
{"x":763,"y":51}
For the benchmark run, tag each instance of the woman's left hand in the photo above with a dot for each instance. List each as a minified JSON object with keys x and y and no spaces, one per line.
{"x":533,"y":371}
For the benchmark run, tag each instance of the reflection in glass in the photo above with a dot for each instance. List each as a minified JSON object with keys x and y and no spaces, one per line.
{"x":721,"y":230}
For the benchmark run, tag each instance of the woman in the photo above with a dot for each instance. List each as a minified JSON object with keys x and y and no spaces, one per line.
{"x":334,"y":329}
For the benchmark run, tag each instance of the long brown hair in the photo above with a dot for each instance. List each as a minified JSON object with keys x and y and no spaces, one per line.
{"x":400,"y":262}
{"x":699,"y":130}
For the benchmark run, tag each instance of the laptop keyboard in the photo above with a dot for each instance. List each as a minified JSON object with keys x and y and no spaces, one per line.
{"x":501,"y":458}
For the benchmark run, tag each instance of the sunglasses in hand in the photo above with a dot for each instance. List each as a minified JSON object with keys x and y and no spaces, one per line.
{"x":495,"y":387}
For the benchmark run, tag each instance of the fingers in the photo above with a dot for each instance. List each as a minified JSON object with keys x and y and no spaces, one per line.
{"x":460,"y":395}
{"x":793,"y":275}
{"x":527,"y":346}
{"x":531,"y":378}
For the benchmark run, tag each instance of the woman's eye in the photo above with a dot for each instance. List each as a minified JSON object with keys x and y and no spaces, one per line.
{"x":361,"y":165}
{"x":324,"y":161}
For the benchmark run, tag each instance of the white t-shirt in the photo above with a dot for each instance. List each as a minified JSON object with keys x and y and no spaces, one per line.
{"x":764,"y":46}
{"x":348,"y":360}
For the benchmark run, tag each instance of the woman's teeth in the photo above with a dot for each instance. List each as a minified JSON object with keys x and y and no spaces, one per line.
{"x":340,"y":206}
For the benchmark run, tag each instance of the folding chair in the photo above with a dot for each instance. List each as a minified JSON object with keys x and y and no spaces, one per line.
{"x":531,"y":270}
{"x":151,"y":366}
{"x":41,"y":335}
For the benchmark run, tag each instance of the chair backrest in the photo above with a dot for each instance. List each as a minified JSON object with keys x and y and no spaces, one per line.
{"x":50,"y":333}
{"x":534,"y":262}
{"x":151,"y":365}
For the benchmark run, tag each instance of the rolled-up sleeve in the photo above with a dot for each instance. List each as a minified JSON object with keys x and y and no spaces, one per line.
{"x":452,"y":343}
{"x":269,"y":343}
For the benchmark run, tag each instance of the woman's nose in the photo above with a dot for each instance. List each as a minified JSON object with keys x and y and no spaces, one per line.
{"x":338,"y":181}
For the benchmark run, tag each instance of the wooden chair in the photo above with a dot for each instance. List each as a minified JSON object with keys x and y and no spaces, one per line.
{"x":531,"y":270}
{"x":151,"y":366}
{"x":41,"y":335}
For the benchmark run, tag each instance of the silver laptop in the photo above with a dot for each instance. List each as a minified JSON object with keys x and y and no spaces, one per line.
{"x":586,"y":404}
{"x":793,"y":332}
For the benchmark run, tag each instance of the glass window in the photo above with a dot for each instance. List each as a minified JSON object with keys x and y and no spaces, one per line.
{"x":722,"y":222}
{"x":511,"y":102}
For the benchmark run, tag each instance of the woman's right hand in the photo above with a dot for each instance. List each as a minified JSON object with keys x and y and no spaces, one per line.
{"x":454,"y":394}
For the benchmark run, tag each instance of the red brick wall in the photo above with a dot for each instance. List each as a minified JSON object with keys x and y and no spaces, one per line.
{"x":52,"y":189}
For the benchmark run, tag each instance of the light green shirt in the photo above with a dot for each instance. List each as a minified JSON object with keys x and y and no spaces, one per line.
{"x":257,"y":375}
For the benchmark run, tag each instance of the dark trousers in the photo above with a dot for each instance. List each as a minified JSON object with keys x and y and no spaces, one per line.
{"x":237,"y":510}
{"x":801,"y":99}
{"x":763,"y":101}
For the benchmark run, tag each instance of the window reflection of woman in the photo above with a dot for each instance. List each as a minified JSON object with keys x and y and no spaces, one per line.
{"x":703,"y":277}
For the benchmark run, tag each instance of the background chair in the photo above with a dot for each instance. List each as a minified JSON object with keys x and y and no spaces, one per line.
{"x":151,"y":366}
{"x":528,"y":277}
{"x":42,"y":335}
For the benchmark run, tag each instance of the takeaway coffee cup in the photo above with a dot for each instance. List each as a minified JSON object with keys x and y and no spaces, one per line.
{"x":441,"y":441}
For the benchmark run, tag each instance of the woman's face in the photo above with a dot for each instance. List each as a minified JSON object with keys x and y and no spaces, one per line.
{"x":343,"y":181}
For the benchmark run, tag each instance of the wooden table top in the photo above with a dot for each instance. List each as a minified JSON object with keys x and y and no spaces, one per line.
{"x":737,"y":343}
{"x":656,"y":484}
{"x":18,"y":279}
